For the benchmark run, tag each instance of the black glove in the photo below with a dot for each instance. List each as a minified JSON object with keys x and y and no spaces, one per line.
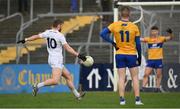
{"x":21,"y":41}
{"x":169,"y":30}
{"x":82,"y":57}
{"x":114,"y":44}
{"x":139,"y":60}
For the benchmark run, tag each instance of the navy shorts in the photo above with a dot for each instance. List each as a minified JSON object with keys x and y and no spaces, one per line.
{"x":123,"y":61}
{"x":154,"y":63}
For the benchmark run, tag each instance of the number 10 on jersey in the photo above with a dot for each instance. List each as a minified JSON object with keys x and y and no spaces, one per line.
{"x":51,"y":42}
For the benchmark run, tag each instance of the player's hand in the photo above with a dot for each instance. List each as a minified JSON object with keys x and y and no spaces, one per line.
{"x":82,"y":57}
{"x":169,"y":30}
{"x":114,"y":44}
{"x":21,"y":41}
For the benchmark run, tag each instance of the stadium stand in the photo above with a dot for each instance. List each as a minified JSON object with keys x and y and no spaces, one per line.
{"x":9,"y":29}
{"x":77,"y":22}
{"x":9,"y":32}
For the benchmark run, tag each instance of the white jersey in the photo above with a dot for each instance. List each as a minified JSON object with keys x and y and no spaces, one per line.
{"x":55,"y":41}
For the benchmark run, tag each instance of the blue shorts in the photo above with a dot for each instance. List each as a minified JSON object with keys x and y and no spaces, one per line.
{"x":123,"y":61}
{"x":154,"y":63}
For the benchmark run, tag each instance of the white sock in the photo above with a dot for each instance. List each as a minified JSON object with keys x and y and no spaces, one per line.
{"x":40,"y":84}
{"x":75,"y":92}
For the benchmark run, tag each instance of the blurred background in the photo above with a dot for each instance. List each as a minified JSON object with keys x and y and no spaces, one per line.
{"x":21,"y":65}
{"x":83,"y":21}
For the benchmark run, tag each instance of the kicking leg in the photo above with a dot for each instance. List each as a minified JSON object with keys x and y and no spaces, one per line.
{"x":66,"y":74}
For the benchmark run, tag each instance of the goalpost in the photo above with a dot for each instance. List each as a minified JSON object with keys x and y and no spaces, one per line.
{"x":117,"y":4}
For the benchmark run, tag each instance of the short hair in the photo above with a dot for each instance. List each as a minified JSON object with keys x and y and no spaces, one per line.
{"x":154,"y":28}
{"x":56,"y":22}
{"x":125,"y":8}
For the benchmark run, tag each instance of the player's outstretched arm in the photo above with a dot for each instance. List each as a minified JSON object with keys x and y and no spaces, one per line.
{"x":34,"y":37}
{"x":105,"y":34}
{"x":170,"y":34}
{"x":68,"y":48}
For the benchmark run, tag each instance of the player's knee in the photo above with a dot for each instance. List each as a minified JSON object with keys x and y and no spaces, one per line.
{"x":159,"y":75}
{"x":146,"y":75}
{"x":55,"y":81}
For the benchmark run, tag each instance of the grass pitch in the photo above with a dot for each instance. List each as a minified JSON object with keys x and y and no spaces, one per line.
{"x":91,"y":100}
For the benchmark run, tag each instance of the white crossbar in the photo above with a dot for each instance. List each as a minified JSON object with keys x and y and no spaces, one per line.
{"x":148,"y":3}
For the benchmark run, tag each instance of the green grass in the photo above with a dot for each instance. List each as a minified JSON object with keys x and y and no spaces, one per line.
{"x":91,"y":100}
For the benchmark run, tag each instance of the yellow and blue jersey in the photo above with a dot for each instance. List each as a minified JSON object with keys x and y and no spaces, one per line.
{"x":155,"y":47}
{"x":125,"y":34}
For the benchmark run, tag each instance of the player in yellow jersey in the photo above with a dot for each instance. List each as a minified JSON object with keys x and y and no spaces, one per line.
{"x":155,"y":55}
{"x":127,"y":44}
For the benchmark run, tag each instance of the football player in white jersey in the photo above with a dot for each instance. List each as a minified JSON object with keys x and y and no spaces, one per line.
{"x":55,"y":42}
